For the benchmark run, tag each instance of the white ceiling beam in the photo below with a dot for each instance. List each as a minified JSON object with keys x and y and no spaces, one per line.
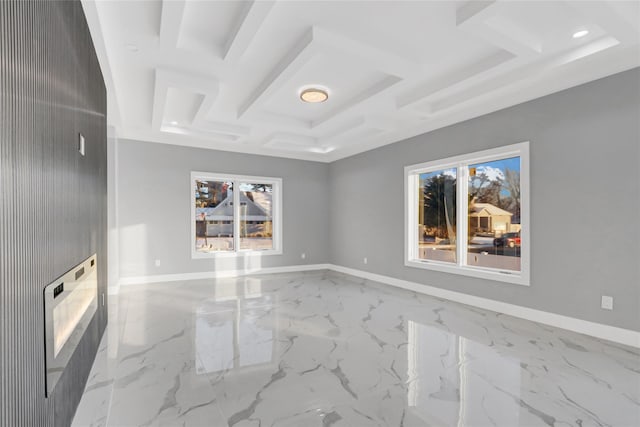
{"x":347,"y":128}
{"x":382,"y":123}
{"x":524,"y":74}
{"x":281,"y":121}
{"x":395,"y":67}
{"x":360,"y":98}
{"x":376,"y":124}
{"x":474,"y":10}
{"x":379,"y":59}
{"x":223,"y":128}
{"x":488,"y":20}
{"x":165,"y":79}
{"x":252,"y":17}
{"x":159,"y":99}
{"x":448,"y":80}
{"x":171,"y":22}
{"x":205,"y":106}
{"x":290,"y":64}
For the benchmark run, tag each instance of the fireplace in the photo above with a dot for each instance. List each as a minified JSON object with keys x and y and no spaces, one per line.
{"x":69,"y":305}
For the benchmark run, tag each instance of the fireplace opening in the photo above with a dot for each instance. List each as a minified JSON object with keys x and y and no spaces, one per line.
{"x":69,"y":305}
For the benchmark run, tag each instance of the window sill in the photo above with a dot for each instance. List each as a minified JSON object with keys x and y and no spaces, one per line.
{"x":517,"y":278}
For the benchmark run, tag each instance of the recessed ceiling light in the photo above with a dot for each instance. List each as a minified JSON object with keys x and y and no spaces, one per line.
{"x":580,"y":33}
{"x":174,"y":123}
{"x":314,"y":95}
{"x":132,"y":47}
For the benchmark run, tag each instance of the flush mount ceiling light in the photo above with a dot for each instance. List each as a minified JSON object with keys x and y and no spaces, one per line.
{"x":314,"y":95}
{"x":174,"y":123}
{"x":579,"y":34}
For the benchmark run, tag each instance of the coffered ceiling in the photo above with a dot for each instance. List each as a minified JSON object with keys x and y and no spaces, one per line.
{"x":228,"y":74}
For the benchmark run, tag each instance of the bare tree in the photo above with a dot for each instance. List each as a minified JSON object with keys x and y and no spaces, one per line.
{"x":512,"y":185}
{"x":482,"y":189}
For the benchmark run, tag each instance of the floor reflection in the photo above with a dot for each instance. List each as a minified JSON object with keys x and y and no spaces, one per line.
{"x":448,"y":372}
{"x":235,"y":329}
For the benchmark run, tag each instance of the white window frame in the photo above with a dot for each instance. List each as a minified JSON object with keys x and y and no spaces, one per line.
{"x":461,"y":163}
{"x":237,"y":179}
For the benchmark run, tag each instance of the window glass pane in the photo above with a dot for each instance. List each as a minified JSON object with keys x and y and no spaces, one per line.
{"x":256,"y":216}
{"x":494,"y":214}
{"x":214,"y":216}
{"x":437,"y":216}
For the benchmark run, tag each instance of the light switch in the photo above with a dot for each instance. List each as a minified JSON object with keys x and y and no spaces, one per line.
{"x":81,"y":143}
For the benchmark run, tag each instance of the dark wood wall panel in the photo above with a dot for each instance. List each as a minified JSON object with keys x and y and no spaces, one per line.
{"x":52,"y":200}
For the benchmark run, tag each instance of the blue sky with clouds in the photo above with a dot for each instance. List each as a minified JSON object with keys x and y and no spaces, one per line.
{"x":494,"y":169}
{"x":512,"y":163}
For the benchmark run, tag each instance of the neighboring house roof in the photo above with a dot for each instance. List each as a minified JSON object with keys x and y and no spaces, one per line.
{"x":487,"y":209}
{"x":224,"y":211}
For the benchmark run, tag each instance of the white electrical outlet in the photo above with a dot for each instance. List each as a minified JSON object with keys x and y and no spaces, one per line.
{"x":365,"y":260}
{"x":157,"y":263}
{"x":303,"y":255}
{"x":607,"y":302}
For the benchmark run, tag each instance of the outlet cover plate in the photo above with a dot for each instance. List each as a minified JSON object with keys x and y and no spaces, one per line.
{"x":607,"y":302}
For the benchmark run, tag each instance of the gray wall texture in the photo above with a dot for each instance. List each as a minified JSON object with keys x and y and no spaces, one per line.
{"x":53,"y":201}
{"x":585,"y":201}
{"x":154,"y":208}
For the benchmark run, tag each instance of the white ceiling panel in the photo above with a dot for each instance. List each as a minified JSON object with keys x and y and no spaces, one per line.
{"x":228,"y":74}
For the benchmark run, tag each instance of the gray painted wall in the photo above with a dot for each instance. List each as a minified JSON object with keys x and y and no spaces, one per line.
{"x":154,"y":207}
{"x":52,"y":200}
{"x":584,"y":170}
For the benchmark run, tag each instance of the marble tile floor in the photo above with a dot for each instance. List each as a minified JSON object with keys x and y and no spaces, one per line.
{"x":325,"y":349}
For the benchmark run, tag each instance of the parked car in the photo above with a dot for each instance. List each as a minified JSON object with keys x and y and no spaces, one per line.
{"x":508,"y":239}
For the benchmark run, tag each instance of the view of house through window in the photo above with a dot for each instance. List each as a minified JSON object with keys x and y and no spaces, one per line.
{"x":229,"y":222}
{"x":494,"y":214}
{"x":214,"y":216}
{"x":256,"y":221}
{"x":477,"y":228}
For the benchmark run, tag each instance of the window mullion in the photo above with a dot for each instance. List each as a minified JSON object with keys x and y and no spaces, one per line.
{"x":236,"y":216}
{"x":462,"y":210}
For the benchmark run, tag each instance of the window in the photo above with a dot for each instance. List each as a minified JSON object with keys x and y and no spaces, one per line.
{"x":470,"y":214}
{"x":233,"y":214}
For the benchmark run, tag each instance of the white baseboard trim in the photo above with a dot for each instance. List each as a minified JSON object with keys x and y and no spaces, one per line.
{"x":598,"y":330}
{"x":140,"y":280}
